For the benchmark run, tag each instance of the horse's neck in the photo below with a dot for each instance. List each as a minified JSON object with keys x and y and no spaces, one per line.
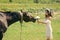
{"x":13,"y":18}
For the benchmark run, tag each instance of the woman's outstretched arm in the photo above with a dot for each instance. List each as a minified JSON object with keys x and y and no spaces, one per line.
{"x":41,"y":22}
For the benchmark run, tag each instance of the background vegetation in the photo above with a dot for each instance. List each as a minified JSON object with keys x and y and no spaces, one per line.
{"x":31,"y":31}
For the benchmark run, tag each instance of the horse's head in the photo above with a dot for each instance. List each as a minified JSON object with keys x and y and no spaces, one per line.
{"x":27,"y":17}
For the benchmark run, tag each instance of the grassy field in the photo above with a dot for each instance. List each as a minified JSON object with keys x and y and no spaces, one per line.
{"x":33,"y":31}
{"x":30,"y":7}
{"x":31,"y":1}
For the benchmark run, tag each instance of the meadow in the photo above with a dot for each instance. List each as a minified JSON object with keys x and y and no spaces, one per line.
{"x":30,"y":7}
{"x":31,"y":31}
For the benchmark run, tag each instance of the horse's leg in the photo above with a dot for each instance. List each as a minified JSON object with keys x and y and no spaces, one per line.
{"x":2,"y":29}
{"x":1,"y":35}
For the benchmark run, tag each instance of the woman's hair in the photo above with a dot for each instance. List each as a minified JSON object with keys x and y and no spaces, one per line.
{"x":49,"y":12}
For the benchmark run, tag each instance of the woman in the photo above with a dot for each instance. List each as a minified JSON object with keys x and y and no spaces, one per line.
{"x":48,"y":16}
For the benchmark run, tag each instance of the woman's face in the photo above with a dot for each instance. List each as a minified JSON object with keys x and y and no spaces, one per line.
{"x":46,"y":13}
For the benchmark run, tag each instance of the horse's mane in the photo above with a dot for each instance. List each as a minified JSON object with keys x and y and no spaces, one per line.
{"x":5,"y":11}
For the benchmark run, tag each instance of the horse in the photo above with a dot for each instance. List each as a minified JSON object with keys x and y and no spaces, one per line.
{"x":7,"y":18}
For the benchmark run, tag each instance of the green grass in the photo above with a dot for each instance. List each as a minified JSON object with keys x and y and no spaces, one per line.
{"x":32,"y":7}
{"x":33,"y":31}
{"x":31,"y":1}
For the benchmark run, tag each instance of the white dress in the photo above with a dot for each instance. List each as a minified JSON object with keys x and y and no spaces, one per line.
{"x":48,"y":29}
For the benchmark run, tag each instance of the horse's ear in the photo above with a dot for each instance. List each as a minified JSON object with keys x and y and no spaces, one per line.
{"x":21,"y":10}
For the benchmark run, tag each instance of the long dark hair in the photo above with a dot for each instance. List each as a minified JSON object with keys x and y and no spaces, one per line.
{"x":49,"y":12}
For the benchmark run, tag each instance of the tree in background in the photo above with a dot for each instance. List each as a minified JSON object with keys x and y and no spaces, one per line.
{"x":10,"y":0}
{"x":57,"y":1}
{"x":36,"y":1}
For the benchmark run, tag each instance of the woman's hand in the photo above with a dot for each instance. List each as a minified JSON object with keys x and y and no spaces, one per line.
{"x":38,"y":21}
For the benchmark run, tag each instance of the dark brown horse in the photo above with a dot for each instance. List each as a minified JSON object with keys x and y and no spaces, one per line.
{"x":8,"y":18}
